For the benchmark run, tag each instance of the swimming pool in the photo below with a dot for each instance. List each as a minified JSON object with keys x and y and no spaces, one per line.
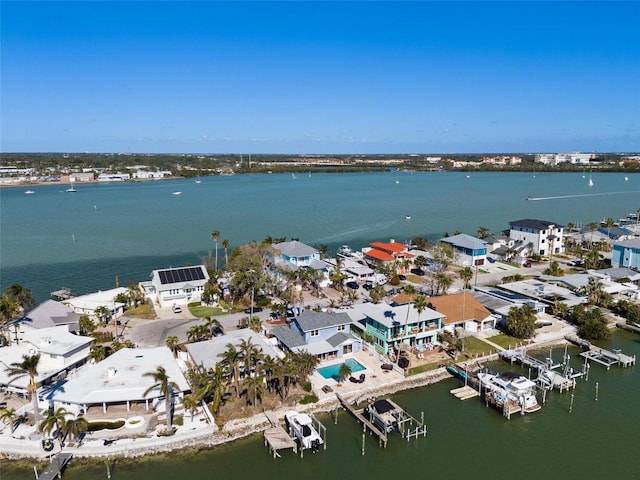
{"x":332,"y":370}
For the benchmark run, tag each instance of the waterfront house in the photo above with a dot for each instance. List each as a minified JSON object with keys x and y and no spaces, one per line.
{"x":120,"y":379}
{"x":468,"y":250}
{"x":388,"y":253}
{"x":60,"y":353}
{"x":546,"y":293}
{"x":294,"y":255}
{"x":390,"y":326}
{"x":207,"y":354}
{"x":546,"y":238}
{"x":46,"y":315}
{"x":324,"y":334}
{"x":626,"y":253}
{"x":176,"y":286}
{"x":500,"y":302}
{"x":462,"y":310}
{"x":88,"y":304}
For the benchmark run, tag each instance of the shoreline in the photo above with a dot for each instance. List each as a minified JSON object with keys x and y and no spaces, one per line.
{"x":201,"y":437}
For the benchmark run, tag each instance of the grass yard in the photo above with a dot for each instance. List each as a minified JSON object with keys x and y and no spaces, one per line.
{"x":144,"y":311}
{"x":505,"y":341}
{"x":201,"y":311}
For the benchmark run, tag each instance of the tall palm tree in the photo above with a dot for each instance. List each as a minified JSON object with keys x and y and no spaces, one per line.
{"x":231,"y":358}
{"x":211,"y":386}
{"x":9,"y":416}
{"x":173,"y":344}
{"x":225,"y":246}
{"x":28,"y":367}
{"x":466,"y":274}
{"x":166,"y":387}
{"x":55,"y":419}
{"x":483,"y":232}
{"x":97,"y":353}
{"x":22,"y":296}
{"x":593,"y":226}
{"x":254,"y":386}
{"x":190,"y":402}
{"x":215,"y":235}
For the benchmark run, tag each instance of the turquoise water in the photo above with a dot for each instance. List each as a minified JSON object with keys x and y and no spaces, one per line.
{"x":129,"y":229}
{"x":333,"y":371}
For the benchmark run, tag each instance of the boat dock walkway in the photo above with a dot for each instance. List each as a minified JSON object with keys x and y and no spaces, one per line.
{"x":55,"y":468}
{"x":519,"y":355}
{"x":358,"y":414}
{"x":608,"y":358}
{"x":277,"y":438}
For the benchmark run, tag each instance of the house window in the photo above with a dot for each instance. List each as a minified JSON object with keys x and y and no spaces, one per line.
{"x":314,"y":333}
{"x":342,"y":328}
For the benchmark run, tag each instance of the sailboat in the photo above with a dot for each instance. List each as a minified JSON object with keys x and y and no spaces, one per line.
{"x":397,"y":180}
{"x":590,"y":181}
{"x":583,"y":173}
{"x":71,"y":189}
{"x":198,"y":179}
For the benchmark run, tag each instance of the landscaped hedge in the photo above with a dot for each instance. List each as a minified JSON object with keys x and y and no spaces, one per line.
{"x":105,"y":425}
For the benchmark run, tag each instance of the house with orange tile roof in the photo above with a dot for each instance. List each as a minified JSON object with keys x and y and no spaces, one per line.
{"x":462,"y":310}
{"x":388,"y":253}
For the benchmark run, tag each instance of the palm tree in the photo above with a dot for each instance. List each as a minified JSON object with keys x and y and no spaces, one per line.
{"x":190,"y":402}
{"x":28,"y":367}
{"x":231,"y":358}
{"x":173,"y":344}
{"x":8,"y":308}
{"x":214,"y":236}
{"x":593,"y":290}
{"x":22,"y":296}
{"x":254,"y":387}
{"x":324,"y":250}
{"x":55,"y":419}
{"x":466,"y":274}
{"x":483,"y":232}
{"x":593,"y":226}
{"x":212,"y":386}
{"x":344,"y":372}
{"x":102,"y":312}
{"x":9,"y":416}
{"x":97,"y":353}
{"x":166,"y":388}
{"x":75,"y":427}
{"x":225,"y":245}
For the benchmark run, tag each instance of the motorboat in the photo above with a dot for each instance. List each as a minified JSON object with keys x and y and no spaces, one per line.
{"x":301,"y":427}
{"x":29,"y":192}
{"x":514,"y":387}
{"x":177,"y":193}
{"x":345,"y":251}
{"x":385,"y":414}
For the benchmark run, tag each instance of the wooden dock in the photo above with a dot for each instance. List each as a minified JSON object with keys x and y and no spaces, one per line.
{"x":464,"y":393}
{"x":277,"y":438}
{"x":358,"y":414}
{"x":608,"y":358}
{"x":55,"y":467}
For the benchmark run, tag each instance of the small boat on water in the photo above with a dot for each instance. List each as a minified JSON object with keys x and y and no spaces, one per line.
{"x":29,"y":192}
{"x":408,"y":217}
{"x":345,"y":251}
{"x":385,"y":414}
{"x":301,"y":426}
{"x":513,"y":387}
{"x":176,"y":193}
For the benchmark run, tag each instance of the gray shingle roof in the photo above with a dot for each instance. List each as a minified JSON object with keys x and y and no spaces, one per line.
{"x":466,"y":241}
{"x":338,"y":338}
{"x":309,"y":320}
{"x":295,"y":249}
{"x":288,"y":336}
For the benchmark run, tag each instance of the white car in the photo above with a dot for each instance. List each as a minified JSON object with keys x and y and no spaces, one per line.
{"x":176,"y":309}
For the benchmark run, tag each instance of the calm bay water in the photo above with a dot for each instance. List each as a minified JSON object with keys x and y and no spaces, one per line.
{"x":130,"y":229}
{"x":54,"y":239}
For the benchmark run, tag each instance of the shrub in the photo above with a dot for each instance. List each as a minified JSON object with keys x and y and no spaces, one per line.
{"x":310,"y":398}
{"x":95,"y":426}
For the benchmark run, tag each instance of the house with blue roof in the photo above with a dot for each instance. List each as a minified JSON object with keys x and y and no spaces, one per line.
{"x":324,"y":334}
{"x":294,"y":255}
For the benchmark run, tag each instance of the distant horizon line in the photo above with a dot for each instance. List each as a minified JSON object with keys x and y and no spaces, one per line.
{"x":595,"y":152}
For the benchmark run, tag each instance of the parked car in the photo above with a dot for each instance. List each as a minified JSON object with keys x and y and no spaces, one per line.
{"x":417,"y":271}
{"x":252,"y":310}
{"x":353,"y":285}
{"x":527,"y":264}
{"x":368,"y":285}
{"x":176,"y":309}
{"x":402,"y":277}
{"x":217,"y":331}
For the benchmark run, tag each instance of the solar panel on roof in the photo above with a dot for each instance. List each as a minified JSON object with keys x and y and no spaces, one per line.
{"x":181,"y":275}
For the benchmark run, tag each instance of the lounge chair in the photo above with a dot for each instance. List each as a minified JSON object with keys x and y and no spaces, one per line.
{"x":361,"y":379}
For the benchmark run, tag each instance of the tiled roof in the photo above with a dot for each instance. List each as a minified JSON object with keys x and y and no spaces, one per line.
{"x":389,"y":247}
{"x":379,"y":255}
{"x":459,"y":307}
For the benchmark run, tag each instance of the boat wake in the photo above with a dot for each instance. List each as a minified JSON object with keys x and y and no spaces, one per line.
{"x":556,"y":197}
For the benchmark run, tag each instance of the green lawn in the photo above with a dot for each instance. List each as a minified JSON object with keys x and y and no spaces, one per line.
{"x":475,"y":346}
{"x":145,"y":311}
{"x":202,"y":311}
{"x":505,"y":341}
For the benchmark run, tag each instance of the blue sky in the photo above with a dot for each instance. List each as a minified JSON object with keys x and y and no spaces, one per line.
{"x":320,"y":77}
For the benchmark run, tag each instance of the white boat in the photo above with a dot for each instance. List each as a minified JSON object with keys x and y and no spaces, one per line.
{"x":71,"y":189}
{"x":626,"y":179}
{"x":408,"y":217}
{"x":301,"y":426}
{"x":513,"y":386}
{"x":29,"y":192}
{"x":590,"y":181}
{"x":176,"y":193}
{"x":385,"y":414}
{"x":198,"y":180}
{"x":345,"y":251}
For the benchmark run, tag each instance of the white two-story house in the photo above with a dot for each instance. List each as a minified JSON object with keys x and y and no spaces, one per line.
{"x":176,"y":286}
{"x":324,"y":334}
{"x":546,"y":238}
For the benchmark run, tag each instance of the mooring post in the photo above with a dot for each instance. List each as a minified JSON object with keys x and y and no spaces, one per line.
{"x":364,"y":437}
{"x":596,"y":391}
{"x":571,"y":404}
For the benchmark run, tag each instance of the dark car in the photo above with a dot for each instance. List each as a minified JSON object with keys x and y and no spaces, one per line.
{"x":402,"y":277}
{"x":417,"y":271}
{"x":527,"y":264}
{"x":252,"y":310}
{"x":368,"y":285}
{"x":353,"y":285}
{"x":217,"y":331}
